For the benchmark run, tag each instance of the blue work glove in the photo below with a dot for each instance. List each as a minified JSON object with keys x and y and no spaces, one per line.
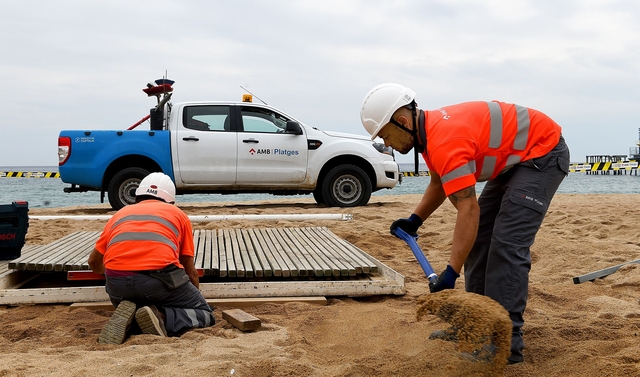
{"x":409,"y":225}
{"x":446,"y":280}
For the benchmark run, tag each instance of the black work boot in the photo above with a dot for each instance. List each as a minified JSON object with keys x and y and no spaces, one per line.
{"x":517,"y":345}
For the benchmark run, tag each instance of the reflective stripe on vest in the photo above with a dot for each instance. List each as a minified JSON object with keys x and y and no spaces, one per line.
{"x":463,"y":170}
{"x":495,"y":140}
{"x":142,"y":236}
{"x":157,"y":219}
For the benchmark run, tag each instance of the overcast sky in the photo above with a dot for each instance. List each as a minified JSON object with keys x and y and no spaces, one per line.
{"x":83,"y":64}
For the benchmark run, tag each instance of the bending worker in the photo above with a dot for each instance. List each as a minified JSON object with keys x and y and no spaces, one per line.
{"x":146,"y":255}
{"x":521,"y":154}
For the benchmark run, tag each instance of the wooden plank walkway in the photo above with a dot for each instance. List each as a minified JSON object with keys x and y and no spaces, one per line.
{"x":310,"y":252}
{"x":246,"y":263}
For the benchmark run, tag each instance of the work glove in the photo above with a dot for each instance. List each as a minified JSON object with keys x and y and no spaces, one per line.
{"x":446,"y":280}
{"x":409,"y":225}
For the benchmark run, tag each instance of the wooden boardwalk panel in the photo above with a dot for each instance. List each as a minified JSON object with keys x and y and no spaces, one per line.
{"x":310,"y":252}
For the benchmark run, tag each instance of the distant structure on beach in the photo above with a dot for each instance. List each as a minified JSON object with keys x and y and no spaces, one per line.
{"x":611,"y":164}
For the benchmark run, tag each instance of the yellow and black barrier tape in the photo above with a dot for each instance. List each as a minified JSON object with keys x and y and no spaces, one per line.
{"x":29,"y":174}
{"x":573,"y":168}
{"x":603,"y":166}
{"x":413,"y":173}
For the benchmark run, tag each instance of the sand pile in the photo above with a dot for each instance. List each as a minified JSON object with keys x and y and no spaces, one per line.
{"x":478,"y":323}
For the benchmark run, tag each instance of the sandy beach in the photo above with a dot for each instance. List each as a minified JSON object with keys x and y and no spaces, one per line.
{"x":588,"y":329}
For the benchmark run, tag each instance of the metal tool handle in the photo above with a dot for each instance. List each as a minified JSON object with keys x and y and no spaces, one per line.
{"x":417,"y":252}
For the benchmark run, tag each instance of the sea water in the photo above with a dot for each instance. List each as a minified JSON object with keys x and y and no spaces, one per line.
{"x":48,"y":192}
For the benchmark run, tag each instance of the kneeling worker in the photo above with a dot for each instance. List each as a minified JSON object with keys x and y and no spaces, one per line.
{"x":146,"y":254}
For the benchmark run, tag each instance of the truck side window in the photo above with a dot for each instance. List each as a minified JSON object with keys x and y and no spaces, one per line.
{"x":207,"y":118}
{"x":262,"y":120}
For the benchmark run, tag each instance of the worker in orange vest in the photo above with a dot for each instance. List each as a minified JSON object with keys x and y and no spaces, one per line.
{"x":147,"y":256}
{"x":518,"y":151}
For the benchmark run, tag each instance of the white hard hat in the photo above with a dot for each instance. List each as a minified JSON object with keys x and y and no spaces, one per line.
{"x":380,"y":104}
{"x":158,"y":185}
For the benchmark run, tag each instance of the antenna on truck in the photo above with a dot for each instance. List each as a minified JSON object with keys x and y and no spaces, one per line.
{"x":162,"y":91}
{"x":253,"y":95}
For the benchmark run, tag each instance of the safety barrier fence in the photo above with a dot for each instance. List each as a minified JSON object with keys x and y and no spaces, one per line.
{"x":595,"y":168}
{"x":607,"y":167}
{"x":29,"y":174}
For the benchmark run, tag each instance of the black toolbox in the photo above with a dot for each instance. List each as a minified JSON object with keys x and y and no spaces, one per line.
{"x":14,"y":222}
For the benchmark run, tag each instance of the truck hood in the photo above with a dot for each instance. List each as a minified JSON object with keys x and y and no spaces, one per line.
{"x":345,"y":135}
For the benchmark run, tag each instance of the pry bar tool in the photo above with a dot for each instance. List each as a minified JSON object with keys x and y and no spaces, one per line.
{"x":424,"y":263}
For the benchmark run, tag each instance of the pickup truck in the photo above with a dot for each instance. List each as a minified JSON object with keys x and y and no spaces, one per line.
{"x":225,"y":148}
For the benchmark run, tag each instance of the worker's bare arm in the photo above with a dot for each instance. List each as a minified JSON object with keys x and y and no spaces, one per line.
{"x":190,"y":269}
{"x":96,"y":262}
{"x":433,"y":197}
{"x":466,"y":229}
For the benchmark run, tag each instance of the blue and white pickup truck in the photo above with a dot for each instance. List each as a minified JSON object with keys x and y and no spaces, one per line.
{"x":226,"y":148}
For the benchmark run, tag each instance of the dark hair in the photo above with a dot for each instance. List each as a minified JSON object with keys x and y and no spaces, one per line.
{"x":140,"y":198}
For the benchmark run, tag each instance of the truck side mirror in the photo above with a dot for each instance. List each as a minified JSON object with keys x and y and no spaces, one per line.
{"x":293,"y":128}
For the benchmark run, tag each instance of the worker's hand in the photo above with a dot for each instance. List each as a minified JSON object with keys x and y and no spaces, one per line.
{"x":446,"y":280}
{"x":409,"y":225}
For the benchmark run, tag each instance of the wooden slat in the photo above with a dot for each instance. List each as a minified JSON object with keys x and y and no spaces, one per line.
{"x":324,"y":269}
{"x":256,"y":265}
{"x":212,"y":239}
{"x":81,"y":255}
{"x":22,"y":262}
{"x":82,"y":246}
{"x":328,"y":252}
{"x":198,"y":248}
{"x":240,"y":270}
{"x":79,"y":261}
{"x":222,"y":254}
{"x":270,"y":248}
{"x":302,"y":265}
{"x":228,"y":251}
{"x":313,"y":267}
{"x":291,"y":267}
{"x":55,"y":250}
{"x":244,"y":254}
{"x":328,"y":260}
{"x":355,"y":257}
{"x":268,"y":261}
{"x":208,"y":251}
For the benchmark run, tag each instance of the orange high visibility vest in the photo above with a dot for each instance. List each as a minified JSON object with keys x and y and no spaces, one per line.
{"x":476,"y":141}
{"x":149,"y":235}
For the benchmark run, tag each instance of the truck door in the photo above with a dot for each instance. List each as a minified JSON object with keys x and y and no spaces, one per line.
{"x":207,"y":146}
{"x":266,"y":154}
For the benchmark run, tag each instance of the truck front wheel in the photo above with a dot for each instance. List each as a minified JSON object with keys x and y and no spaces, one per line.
{"x":346,"y":186}
{"x":123,"y":185}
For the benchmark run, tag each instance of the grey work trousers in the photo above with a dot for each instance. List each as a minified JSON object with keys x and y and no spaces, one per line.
{"x":184,"y":307}
{"x":512,"y":207}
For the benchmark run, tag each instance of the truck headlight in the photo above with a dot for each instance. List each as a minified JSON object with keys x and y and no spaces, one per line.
{"x":382,"y":149}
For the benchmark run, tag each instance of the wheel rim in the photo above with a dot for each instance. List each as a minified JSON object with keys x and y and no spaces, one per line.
{"x":127,"y":192}
{"x":347,"y":189}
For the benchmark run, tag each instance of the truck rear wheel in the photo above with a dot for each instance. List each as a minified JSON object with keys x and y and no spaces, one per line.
{"x":123,"y":185}
{"x":346,"y":186}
